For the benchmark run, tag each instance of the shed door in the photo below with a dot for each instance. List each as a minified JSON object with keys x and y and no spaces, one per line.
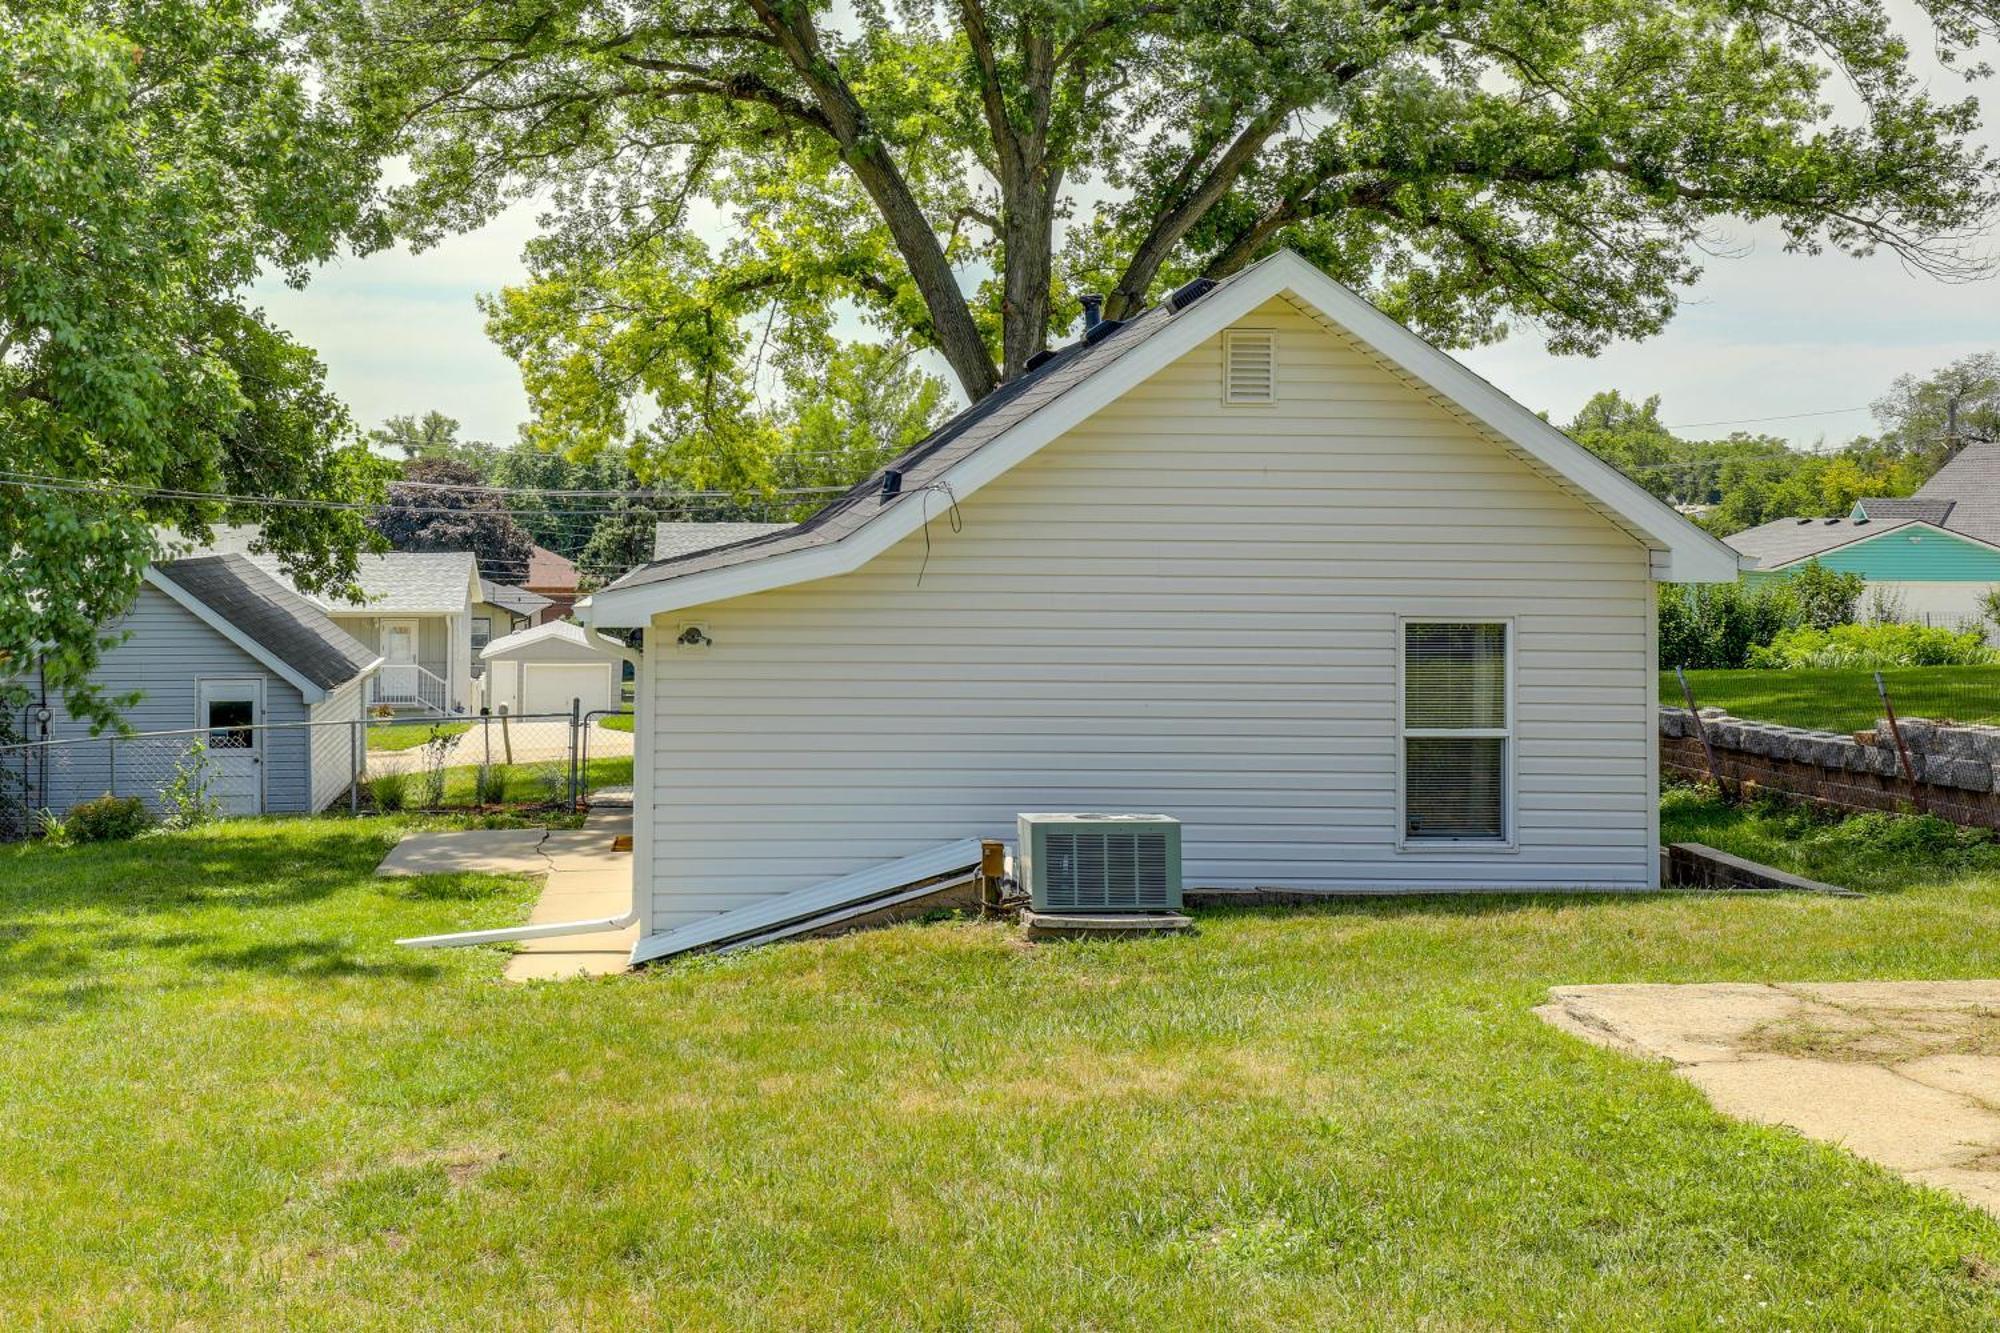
{"x":551,"y":685}
{"x":229,"y":711}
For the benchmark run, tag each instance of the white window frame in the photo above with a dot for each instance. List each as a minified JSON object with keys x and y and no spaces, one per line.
{"x":1509,"y":758}
{"x":1229,"y":340}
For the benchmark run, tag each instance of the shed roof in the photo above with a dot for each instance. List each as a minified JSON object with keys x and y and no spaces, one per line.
{"x":672,"y":540}
{"x":292,"y":633}
{"x":557,"y":631}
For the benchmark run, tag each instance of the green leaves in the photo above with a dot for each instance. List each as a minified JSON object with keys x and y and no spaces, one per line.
{"x":152,"y":162}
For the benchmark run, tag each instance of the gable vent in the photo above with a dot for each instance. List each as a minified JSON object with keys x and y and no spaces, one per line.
{"x":1249,"y":366}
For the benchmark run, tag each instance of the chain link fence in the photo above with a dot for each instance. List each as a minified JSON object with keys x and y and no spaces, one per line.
{"x":377,"y":765}
{"x":1842,"y":700}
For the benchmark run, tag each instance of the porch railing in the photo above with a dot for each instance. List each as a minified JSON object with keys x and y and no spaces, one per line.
{"x":408,"y":685}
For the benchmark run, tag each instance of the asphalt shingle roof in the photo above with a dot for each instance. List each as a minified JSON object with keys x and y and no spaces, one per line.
{"x":674,"y":539}
{"x":952,"y":442}
{"x":1963,"y":496}
{"x":280,"y":621}
{"x":518,"y":600}
{"x":392,"y":582}
{"x":1971,"y":481}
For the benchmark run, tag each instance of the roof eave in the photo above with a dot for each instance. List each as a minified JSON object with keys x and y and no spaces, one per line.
{"x":1680,"y":551}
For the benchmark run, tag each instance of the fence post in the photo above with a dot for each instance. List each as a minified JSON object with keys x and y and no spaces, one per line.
{"x":575,"y":733}
{"x":1902,"y":750}
{"x":354,"y":767}
{"x":1701,"y":733}
{"x":111,"y":744}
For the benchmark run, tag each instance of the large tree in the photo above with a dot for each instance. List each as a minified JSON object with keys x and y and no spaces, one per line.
{"x":153,"y":160}
{"x":441,"y":505}
{"x":956,"y":173}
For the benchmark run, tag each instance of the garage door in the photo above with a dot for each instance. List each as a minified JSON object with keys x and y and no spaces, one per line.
{"x":550,"y":687}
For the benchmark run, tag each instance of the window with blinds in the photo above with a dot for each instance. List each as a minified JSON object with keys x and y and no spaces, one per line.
{"x":1457,"y":731}
{"x":1249,"y":366}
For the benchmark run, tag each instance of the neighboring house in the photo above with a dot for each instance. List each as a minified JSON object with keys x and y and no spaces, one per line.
{"x":1258,"y":558}
{"x":416,"y":611}
{"x":1929,"y":557}
{"x":554,"y":577}
{"x":503,"y":611}
{"x":547,"y":667}
{"x":217,"y":647}
{"x":671,"y":540}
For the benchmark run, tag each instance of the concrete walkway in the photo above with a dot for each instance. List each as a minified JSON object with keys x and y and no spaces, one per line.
{"x":1895,"y":1071}
{"x":586,"y":879}
{"x":535,"y":741}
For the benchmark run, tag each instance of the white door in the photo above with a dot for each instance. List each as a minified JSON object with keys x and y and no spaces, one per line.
{"x":551,"y":686}
{"x":228,"y":710}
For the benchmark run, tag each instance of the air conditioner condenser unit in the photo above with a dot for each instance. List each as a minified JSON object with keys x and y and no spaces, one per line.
{"x":1100,"y":863}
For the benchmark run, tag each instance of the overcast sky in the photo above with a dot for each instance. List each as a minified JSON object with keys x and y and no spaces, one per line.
{"x":1765,"y":335}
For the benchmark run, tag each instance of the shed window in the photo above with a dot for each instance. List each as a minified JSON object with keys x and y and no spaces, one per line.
{"x":1457,"y":729}
{"x":1249,"y":367}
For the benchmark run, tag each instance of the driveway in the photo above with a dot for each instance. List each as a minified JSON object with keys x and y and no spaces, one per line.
{"x":533,"y":742}
{"x":1898,"y":1072}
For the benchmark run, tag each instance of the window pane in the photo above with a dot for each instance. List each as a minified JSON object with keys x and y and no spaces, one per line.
{"x":1455,"y":788}
{"x":228,"y":723}
{"x":1454,"y":676}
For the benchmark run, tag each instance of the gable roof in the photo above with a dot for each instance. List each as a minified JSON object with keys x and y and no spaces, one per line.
{"x":1015,"y":420}
{"x":1910,"y":510}
{"x":1787,"y":541}
{"x":566,"y":631}
{"x":546,"y":569}
{"x":678,"y":538}
{"x":266,"y":619}
{"x":518,"y":600}
{"x":1970,"y":479}
{"x":392,"y":582}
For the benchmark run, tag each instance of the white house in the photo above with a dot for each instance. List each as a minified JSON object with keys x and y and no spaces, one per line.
{"x":1258,"y":558}
{"x":544,"y":668}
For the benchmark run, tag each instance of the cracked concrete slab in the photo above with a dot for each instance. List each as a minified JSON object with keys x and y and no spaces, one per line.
{"x":1906,"y":1074}
{"x":516,"y":851}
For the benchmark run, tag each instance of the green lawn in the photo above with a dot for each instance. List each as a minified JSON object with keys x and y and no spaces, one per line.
{"x":1844,"y":700}
{"x":409,"y":735}
{"x":616,"y":722}
{"x":227,"y":1099}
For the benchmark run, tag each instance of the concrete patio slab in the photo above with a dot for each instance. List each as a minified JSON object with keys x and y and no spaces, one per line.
{"x":1892,"y":1071}
{"x":468,"y":852}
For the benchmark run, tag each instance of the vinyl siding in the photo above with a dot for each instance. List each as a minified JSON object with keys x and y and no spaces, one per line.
{"x":333,"y":747}
{"x":1177,"y":607}
{"x":434,"y":646}
{"x":1926,"y":555}
{"x":167,"y":651}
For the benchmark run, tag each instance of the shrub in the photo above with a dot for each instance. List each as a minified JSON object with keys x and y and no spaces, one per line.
{"x":53,"y":828}
{"x":1873,"y":647}
{"x":1716,"y":625}
{"x":108,"y":819}
{"x":489,"y":785}
{"x":185,"y":798}
{"x":1824,"y":598}
{"x":389,"y":791}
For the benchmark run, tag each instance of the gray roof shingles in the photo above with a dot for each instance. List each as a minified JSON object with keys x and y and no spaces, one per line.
{"x":1963,"y":497}
{"x":518,"y":600}
{"x":674,"y":539}
{"x":280,"y":621}
{"x":393,"y":582}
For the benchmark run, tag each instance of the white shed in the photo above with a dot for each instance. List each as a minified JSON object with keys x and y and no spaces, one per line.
{"x":543,"y":668}
{"x":1258,"y":558}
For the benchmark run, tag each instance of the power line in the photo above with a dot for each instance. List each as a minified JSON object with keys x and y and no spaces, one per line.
{"x":1751,"y":421}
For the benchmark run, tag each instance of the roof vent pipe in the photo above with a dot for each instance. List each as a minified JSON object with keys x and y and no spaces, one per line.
{"x":1093,"y":310}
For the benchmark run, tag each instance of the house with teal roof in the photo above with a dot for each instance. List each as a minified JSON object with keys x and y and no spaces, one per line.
{"x":1929,"y":557}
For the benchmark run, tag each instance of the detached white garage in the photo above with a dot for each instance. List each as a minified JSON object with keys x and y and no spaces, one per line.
{"x":544,"y":668}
